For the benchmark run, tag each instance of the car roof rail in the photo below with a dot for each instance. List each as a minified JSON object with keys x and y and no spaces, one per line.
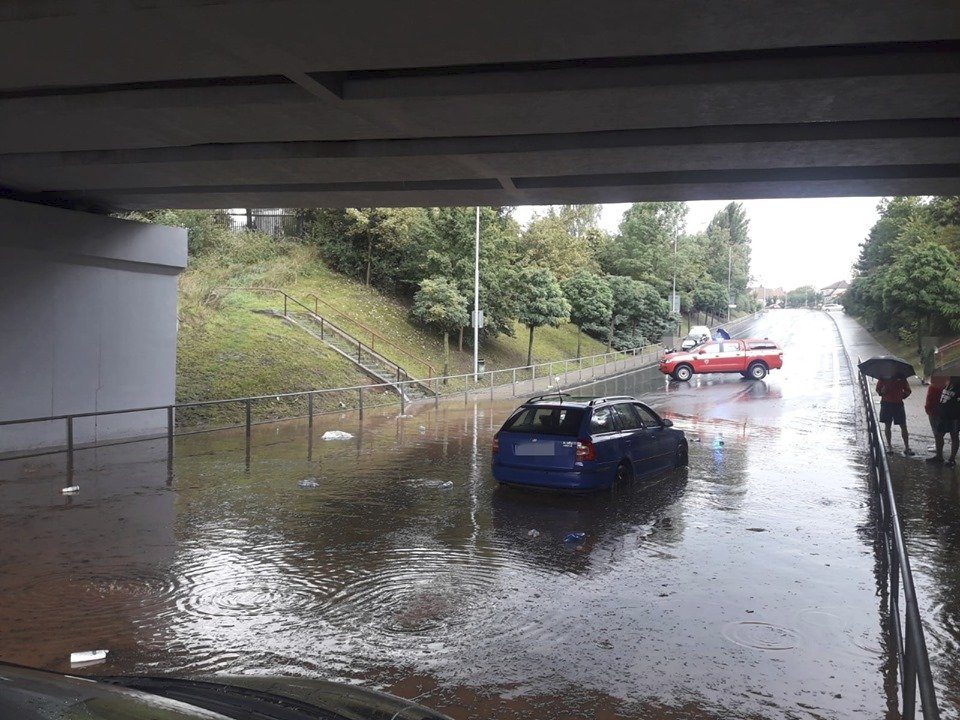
{"x":548,"y":396}
{"x":607,"y":398}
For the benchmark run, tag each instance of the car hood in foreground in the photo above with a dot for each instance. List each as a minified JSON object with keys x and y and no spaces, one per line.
{"x":30,"y":694}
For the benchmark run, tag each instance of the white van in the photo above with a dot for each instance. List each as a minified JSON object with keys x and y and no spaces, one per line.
{"x":698,"y":334}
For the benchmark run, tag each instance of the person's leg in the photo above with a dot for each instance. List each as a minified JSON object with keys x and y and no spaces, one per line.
{"x":954,"y":444}
{"x":906,"y":440}
{"x":937,"y":440}
{"x":886,"y":431}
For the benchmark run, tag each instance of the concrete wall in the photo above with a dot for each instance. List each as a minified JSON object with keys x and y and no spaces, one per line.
{"x":88,"y":322}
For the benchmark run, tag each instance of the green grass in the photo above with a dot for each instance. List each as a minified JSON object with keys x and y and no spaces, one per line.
{"x":228,"y":349}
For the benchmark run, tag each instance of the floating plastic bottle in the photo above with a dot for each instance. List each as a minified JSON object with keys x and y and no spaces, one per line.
{"x":575,"y":537}
{"x":446,"y":485}
{"x":718,"y":443}
{"x":70,"y":490}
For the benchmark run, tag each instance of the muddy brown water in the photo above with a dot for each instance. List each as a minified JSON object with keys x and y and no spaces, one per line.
{"x":745,"y":585}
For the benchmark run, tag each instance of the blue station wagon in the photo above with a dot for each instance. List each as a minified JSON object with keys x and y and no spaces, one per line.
{"x":571,"y":443}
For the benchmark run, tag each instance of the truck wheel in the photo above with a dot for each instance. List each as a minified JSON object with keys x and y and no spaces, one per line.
{"x":683,"y":373}
{"x":758,"y":371}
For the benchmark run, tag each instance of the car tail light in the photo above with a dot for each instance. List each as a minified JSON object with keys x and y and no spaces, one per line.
{"x":495,"y":446}
{"x":586,"y":450}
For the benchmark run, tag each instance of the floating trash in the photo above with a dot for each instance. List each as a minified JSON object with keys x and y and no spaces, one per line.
{"x":447,"y":484}
{"x":87,"y":657}
{"x":71,"y":490}
{"x":310,"y":482}
{"x":533,"y":533}
{"x":423,"y":428}
{"x":575,"y":537}
{"x":718,"y":443}
{"x":336,"y":435}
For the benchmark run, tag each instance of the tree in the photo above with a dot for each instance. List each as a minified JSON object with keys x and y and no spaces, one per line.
{"x":540,"y":303}
{"x":639,"y":315}
{"x":590,"y":298}
{"x":923,"y":282}
{"x":643,"y":249}
{"x":710,"y":298}
{"x":805,"y":296}
{"x":438,"y":303}
{"x":561,"y":243}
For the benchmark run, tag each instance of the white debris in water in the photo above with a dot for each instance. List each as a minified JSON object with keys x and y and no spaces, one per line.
{"x":88,"y":656}
{"x":533,"y":533}
{"x":423,"y":428}
{"x":447,"y":484}
{"x":336,"y":435}
{"x":71,"y":490}
{"x":310,"y":482}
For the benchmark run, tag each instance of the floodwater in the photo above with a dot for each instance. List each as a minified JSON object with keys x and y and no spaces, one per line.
{"x":745,"y":585}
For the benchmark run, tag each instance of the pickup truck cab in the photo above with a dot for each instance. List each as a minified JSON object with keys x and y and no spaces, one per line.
{"x":751,"y":357}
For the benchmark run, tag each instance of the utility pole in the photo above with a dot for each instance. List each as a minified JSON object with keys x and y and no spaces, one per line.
{"x":476,"y":300}
{"x":673,"y":298}
{"x":729,"y":274}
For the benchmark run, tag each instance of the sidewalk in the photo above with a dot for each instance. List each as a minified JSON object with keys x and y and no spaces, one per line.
{"x":858,"y":342}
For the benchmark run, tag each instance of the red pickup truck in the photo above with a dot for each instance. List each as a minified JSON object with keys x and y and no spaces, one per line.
{"x":751,"y":357}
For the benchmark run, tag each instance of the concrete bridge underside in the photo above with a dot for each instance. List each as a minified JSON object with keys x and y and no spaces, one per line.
{"x":191,"y":103}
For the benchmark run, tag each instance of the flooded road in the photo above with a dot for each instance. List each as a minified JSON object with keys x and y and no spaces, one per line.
{"x":744,"y":586}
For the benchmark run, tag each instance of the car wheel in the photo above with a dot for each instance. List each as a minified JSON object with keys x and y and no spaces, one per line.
{"x":683,"y":455}
{"x":683,"y":373}
{"x":758,"y":371}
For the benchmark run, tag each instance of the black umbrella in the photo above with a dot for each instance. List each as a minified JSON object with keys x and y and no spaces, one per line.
{"x":886,"y":367}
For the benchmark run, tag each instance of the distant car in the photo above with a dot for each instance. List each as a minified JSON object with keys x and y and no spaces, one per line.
{"x":833,"y":307}
{"x":570,"y":443}
{"x":698,"y":334}
{"x":751,"y":357}
{"x":28,"y":694}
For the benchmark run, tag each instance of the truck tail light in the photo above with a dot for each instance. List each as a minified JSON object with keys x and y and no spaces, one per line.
{"x":586,"y":450}
{"x":495,"y":445}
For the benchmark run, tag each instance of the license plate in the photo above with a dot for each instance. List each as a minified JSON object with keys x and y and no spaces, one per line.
{"x":531,"y":449}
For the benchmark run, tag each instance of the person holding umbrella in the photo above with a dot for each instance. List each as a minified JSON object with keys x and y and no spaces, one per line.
{"x":892,"y":373}
{"x":892,"y":393}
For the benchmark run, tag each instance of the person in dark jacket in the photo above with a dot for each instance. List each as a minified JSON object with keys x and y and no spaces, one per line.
{"x":949,"y":417}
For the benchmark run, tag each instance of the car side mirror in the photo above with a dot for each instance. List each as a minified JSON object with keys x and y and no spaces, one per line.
{"x":703,"y":352}
{"x":668,"y":423}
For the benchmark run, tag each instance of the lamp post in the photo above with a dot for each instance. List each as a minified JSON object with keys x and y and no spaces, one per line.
{"x":729,"y":274}
{"x":476,"y":299}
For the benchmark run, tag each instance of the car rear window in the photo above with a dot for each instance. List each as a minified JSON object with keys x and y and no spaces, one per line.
{"x":546,"y":420}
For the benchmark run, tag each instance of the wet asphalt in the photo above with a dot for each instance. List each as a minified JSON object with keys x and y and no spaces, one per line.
{"x":746,"y":585}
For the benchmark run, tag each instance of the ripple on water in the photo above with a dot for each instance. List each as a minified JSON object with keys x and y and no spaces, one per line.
{"x":761,"y":635}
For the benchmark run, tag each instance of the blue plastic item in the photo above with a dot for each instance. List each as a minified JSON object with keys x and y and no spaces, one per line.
{"x":575,"y":537}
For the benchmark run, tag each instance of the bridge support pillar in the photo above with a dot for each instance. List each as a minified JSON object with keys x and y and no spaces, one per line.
{"x":88,"y":322}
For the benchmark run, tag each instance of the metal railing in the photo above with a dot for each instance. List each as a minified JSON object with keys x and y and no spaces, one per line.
{"x":907,"y":631}
{"x":326,"y":326}
{"x":374,"y":335}
{"x":521,"y":380}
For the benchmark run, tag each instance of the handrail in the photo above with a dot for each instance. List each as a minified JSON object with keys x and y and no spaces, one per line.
{"x":373,"y":333}
{"x":325,"y":323}
{"x":912,"y":658}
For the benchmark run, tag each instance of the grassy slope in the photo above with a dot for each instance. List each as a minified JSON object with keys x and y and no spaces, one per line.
{"x":225,"y":349}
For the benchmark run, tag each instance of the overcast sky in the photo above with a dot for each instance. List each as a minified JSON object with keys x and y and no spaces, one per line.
{"x":811,"y":241}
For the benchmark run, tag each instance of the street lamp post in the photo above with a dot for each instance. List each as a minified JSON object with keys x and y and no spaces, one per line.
{"x":729,"y":274}
{"x":476,"y":299}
